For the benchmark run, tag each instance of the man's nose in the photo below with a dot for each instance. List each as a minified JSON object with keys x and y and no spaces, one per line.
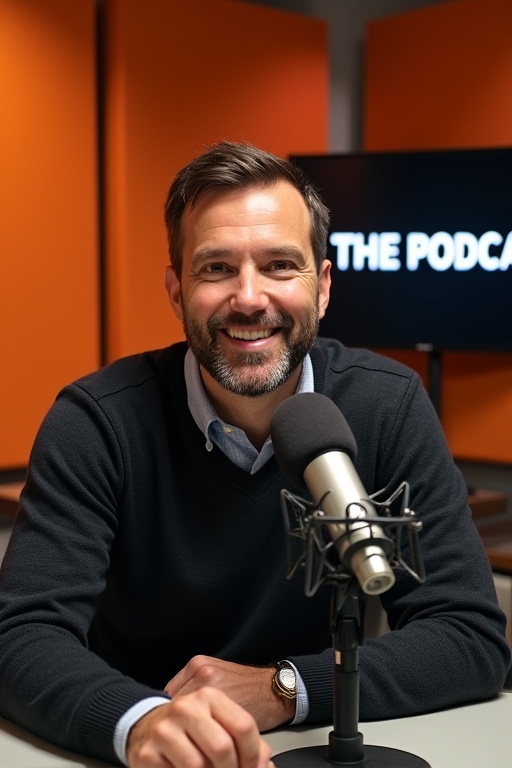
{"x":250,"y":293}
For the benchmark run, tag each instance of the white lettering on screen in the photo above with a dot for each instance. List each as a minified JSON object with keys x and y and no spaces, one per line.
{"x":462,"y":251}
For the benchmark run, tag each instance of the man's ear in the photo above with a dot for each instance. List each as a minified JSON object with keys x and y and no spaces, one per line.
{"x":173,"y":288}
{"x":324,"y":287}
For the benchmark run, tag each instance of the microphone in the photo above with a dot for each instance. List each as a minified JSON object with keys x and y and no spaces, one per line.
{"x":315,"y":449}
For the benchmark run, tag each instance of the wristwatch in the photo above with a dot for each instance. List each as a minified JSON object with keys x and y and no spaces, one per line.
{"x":284,"y":682}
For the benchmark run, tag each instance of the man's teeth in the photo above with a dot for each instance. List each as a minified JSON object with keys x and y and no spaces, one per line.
{"x":236,"y":333}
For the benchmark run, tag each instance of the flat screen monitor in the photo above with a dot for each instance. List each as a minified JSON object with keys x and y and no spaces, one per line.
{"x":421,"y":247}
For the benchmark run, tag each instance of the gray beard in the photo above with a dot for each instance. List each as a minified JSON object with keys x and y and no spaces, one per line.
{"x":209,"y":354}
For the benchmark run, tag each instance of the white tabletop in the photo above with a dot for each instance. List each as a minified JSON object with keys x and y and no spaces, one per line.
{"x":472,"y":736}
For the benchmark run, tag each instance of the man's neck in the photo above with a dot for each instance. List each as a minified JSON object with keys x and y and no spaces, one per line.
{"x":251,"y":414}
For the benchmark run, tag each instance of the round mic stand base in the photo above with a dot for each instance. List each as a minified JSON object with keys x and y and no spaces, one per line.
{"x":374,"y":757}
{"x":346,"y":746}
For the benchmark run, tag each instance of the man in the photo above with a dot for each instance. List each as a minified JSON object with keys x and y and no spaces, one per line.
{"x":147,"y":561}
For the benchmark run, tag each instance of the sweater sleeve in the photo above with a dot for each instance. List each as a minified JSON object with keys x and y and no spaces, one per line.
{"x":52,"y":575}
{"x":447,"y":643}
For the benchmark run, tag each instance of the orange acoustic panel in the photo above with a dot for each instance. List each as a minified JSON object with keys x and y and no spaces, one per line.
{"x":441,"y":77}
{"x":180,"y":76}
{"x":48,"y":221}
{"x":477,"y":391}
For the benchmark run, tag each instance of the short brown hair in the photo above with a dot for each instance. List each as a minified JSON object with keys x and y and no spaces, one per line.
{"x":232,"y":165}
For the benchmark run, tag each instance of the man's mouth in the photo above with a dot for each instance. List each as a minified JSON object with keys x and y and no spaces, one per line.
{"x":239,"y":333}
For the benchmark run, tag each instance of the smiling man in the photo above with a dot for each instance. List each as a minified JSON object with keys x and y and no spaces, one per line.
{"x":145,"y":616}
{"x":250,"y":293}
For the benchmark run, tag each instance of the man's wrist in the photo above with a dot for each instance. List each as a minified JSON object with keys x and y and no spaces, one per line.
{"x":284,"y":681}
{"x":301,"y":702}
{"x":284,"y":688}
{"x":128,"y":720}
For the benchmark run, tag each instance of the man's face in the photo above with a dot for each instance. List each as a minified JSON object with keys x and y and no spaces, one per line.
{"x":249,"y":297}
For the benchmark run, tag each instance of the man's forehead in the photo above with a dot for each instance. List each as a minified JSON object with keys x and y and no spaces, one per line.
{"x":255,"y":192}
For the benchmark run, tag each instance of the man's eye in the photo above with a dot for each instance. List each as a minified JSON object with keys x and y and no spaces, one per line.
{"x":280,"y":266}
{"x":216,"y":269}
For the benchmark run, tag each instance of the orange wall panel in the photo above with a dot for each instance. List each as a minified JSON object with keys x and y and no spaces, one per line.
{"x":180,"y":76}
{"x":477,"y":392}
{"x":441,"y":77}
{"x":48,"y":221}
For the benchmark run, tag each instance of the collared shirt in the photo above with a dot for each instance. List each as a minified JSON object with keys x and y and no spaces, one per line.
{"x":237,"y":447}
{"x":231,"y":440}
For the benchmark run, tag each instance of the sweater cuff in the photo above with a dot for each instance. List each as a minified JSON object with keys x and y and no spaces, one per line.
{"x":129,"y":719}
{"x":105,"y":709}
{"x":317,"y":676}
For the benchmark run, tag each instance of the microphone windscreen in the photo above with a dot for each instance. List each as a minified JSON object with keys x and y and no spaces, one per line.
{"x":304,"y":427}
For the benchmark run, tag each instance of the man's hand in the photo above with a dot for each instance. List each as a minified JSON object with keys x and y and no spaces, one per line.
{"x":251,"y":687}
{"x":204,"y":729}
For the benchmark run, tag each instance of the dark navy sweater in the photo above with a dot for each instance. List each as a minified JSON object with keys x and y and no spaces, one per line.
{"x":135,"y":549}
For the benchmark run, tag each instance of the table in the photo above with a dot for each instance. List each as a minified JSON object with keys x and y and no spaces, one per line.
{"x":470,"y":736}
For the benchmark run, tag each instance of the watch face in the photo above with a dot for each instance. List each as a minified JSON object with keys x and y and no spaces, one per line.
{"x":287,"y":678}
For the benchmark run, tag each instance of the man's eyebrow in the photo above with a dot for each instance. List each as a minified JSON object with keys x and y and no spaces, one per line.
{"x":206,"y":254}
{"x":281,"y":251}
{"x":287,"y":250}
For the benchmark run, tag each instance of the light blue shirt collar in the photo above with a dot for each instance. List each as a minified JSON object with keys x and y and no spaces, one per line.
{"x":231,"y":440}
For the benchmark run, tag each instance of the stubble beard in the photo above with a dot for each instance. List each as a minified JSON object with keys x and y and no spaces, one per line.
{"x":234,"y":375}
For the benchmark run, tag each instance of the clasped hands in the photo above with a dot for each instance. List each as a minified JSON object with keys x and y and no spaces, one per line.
{"x":214,"y":720}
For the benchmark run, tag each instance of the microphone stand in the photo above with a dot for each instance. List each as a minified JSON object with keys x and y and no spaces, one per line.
{"x":346,"y":746}
{"x":345,"y":741}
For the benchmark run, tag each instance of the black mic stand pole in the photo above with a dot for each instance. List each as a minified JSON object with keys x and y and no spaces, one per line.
{"x":345,"y":741}
{"x":346,"y":747}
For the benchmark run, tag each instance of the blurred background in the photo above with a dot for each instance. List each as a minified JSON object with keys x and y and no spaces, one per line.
{"x":102,"y":101}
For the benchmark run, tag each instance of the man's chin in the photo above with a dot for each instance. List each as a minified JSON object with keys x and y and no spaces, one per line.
{"x":247,"y":381}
